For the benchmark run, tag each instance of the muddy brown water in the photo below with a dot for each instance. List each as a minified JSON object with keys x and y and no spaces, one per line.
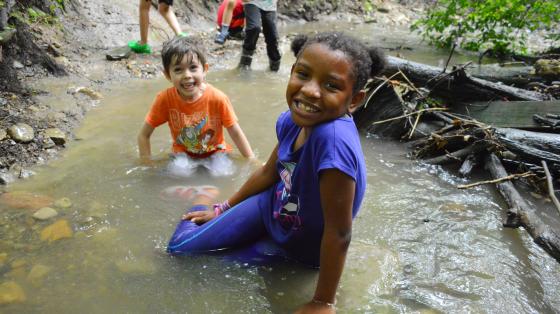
{"x":419,"y":244}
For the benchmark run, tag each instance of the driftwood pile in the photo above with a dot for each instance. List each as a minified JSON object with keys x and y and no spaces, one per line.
{"x":407,"y":105}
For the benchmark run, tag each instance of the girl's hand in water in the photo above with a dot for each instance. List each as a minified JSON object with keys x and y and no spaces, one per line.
{"x":316,"y":308}
{"x":199,"y":217}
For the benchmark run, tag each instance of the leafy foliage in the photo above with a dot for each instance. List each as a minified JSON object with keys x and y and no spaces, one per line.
{"x":498,"y":25}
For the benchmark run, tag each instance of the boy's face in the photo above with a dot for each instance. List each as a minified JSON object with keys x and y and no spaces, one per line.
{"x":321,"y":85}
{"x":187,"y":75}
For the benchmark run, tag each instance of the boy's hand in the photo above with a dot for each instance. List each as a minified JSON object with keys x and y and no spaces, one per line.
{"x":316,"y":308}
{"x":199,"y":217}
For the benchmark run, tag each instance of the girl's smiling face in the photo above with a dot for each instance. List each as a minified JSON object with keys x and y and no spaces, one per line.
{"x":187,"y":75}
{"x":320,"y":86}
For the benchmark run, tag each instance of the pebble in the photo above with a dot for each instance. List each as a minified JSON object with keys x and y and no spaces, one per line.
{"x":63,"y":203}
{"x":21,"y":132}
{"x":58,"y":230}
{"x":11,"y":292}
{"x":45,"y":213}
{"x":56,"y":135}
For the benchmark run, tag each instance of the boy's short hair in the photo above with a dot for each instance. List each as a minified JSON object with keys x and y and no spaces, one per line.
{"x":177,"y":48}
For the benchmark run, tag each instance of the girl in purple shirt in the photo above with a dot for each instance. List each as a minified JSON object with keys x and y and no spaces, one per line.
{"x":305,"y":196}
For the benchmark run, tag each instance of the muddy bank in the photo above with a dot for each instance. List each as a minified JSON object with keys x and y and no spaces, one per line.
{"x":61,"y":55}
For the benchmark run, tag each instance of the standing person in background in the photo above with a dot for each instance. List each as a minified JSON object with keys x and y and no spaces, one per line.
{"x":164,"y":8}
{"x":231,"y":20}
{"x":257,"y":13}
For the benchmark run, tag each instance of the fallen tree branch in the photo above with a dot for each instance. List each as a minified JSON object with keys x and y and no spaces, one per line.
{"x":550,"y":186}
{"x":458,"y":155}
{"x":520,"y":213}
{"x":502,"y":179}
{"x":408,"y":114}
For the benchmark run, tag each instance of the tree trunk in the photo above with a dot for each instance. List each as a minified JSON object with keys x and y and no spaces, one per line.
{"x":457,"y":87}
{"x":520,"y":214}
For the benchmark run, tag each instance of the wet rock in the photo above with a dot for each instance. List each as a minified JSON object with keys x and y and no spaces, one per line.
{"x":56,"y":135}
{"x":21,"y":132}
{"x":48,"y":143}
{"x":18,"y":65}
{"x":89,"y":92}
{"x":383,"y":9}
{"x":45,"y":213}
{"x":54,"y":117}
{"x":37,"y":274}
{"x":548,"y":68}
{"x":24,"y":199}
{"x":63,"y":203}
{"x":11,"y":292}
{"x":6,"y":35}
{"x":6,"y":178}
{"x":58,"y":230}
{"x":3,"y":134}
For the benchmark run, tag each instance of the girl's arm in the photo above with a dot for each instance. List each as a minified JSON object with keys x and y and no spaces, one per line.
{"x":263,"y":178}
{"x":144,"y":148}
{"x":337,"y":196}
{"x":240,"y":140}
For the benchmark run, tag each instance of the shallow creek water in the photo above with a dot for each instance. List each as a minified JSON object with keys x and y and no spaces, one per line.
{"x":419,"y":244}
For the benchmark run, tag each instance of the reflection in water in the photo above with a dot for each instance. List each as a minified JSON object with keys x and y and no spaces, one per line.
{"x":419,"y":244}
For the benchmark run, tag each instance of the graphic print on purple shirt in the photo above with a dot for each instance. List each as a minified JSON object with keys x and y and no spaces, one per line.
{"x":287,"y":207}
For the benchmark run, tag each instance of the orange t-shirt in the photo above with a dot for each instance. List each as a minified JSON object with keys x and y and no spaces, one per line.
{"x":197,"y":127}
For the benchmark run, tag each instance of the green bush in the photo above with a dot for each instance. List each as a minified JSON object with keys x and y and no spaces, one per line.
{"x":497,"y":25}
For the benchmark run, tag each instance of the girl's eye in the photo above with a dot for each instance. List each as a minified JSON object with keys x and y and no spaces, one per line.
{"x":301,"y":74}
{"x":332,"y":86}
{"x":194,"y":67}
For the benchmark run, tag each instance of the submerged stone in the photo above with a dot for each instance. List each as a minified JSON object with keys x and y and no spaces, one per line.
{"x":45,"y":213}
{"x":11,"y":292}
{"x":63,"y":203}
{"x":58,"y":230}
{"x":38,"y":273}
{"x":24,"y":199}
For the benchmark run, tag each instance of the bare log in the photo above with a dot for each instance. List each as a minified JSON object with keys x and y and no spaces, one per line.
{"x":518,"y":76}
{"x":458,"y":155}
{"x":458,"y":87}
{"x":548,"y":142}
{"x":520,"y":214}
{"x":550,"y":186}
{"x":384,"y":105}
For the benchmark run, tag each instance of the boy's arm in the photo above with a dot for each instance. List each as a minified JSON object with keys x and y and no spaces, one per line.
{"x":144,"y":148}
{"x":240,"y":140}
{"x":337,"y":196}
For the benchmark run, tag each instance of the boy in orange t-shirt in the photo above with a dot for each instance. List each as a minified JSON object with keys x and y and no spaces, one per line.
{"x":196,"y":113}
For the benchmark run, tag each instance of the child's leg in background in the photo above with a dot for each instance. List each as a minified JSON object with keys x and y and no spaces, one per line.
{"x":144,"y":20}
{"x":220,"y":165}
{"x":182,"y":165}
{"x":242,"y":224}
{"x":164,"y":8}
{"x":252,"y":31}
{"x":271,"y":38}
{"x":226,"y":21}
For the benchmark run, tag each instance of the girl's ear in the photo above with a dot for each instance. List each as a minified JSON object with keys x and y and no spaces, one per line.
{"x":356,"y":101}
{"x":206,"y":66}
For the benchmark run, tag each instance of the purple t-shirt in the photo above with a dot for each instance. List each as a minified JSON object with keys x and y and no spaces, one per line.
{"x":296,"y":221}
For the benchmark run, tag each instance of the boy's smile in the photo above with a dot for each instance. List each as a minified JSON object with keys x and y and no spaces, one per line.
{"x":187,"y":75}
{"x":320,"y":86}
